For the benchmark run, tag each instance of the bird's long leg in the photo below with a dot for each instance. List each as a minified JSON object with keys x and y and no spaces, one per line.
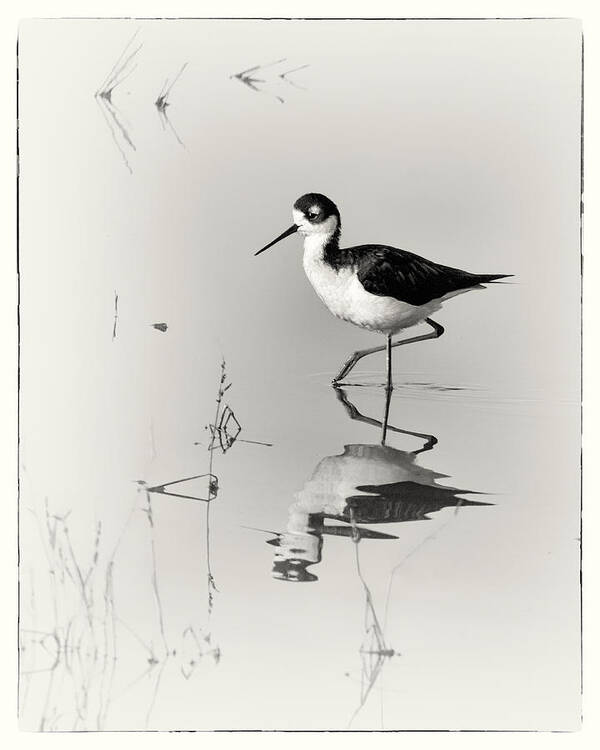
{"x":389,"y":384}
{"x":386,"y":413}
{"x":389,"y":387}
{"x":357,"y":356}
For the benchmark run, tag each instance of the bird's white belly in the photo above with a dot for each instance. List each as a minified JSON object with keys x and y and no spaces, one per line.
{"x":346,"y":298}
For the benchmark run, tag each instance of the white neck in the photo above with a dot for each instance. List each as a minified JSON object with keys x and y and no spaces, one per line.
{"x":314,"y":245}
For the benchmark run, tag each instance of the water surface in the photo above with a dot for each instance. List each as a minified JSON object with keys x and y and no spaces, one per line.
{"x":330,"y":583}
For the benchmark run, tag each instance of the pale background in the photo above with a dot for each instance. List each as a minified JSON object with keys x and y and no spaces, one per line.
{"x":352,"y":237}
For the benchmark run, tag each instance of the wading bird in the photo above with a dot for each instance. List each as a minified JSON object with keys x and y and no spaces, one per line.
{"x":377,"y":287}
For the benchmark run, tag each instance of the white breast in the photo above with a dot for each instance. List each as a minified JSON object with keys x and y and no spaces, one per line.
{"x":332,"y":286}
{"x":346,"y":298}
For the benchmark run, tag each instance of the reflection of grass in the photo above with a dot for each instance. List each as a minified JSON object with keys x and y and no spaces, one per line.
{"x":223,"y":432}
{"x":211,"y":585}
{"x":284,"y":77}
{"x":116,"y":316}
{"x":248,"y":79}
{"x":79,"y":651}
{"x":159,"y":608}
{"x":82,"y":637}
{"x":374,"y":651}
{"x":225,"y":429}
{"x":162,"y":102}
{"x":119,"y":72}
{"x":73,"y":657}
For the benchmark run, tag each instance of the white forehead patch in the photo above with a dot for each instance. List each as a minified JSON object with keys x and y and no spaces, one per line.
{"x":297,"y":215}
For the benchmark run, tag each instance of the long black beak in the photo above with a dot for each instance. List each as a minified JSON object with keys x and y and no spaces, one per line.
{"x":291,"y":230}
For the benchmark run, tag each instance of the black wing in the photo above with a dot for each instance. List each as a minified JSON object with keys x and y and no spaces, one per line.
{"x":391,"y":272}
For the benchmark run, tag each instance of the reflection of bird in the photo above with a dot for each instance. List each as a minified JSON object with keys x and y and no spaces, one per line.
{"x":377,"y":287}
{"x":366,"y":484}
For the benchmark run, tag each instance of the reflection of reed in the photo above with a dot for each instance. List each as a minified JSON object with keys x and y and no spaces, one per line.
{"x":224,"y":432}
{"x":248,"y":79}
{"x":373,"y":651}
{"x":119,"y":72}
{"x":81,"y":641}
{"x":196,"y":646}
{"x":88,"y":645}
{"x":116,"y":316}
{"x":162,"y":102}
{"x":213,"y":485}
{"x":211,"y":585}
{"x":284,"y":77}
{"x":78,"y":652}
{"x":157,"y":599}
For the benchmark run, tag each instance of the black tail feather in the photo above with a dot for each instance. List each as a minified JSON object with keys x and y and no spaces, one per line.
{"x":487,"y":278}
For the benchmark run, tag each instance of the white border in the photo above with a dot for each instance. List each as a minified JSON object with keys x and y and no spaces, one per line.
{"x":11,"y":13}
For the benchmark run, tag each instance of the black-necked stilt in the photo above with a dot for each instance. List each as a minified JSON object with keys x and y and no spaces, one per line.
{"x":377,"y":287}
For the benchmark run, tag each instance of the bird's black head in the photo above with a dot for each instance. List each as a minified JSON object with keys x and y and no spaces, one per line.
{"x":316,"y":208}
{"x":313,"y":213}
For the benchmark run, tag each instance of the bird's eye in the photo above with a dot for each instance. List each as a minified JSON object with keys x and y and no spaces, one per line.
{"x":312,"y":214}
